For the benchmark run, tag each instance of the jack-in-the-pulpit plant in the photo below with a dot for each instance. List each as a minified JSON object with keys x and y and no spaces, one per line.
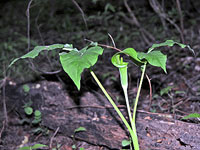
{"x":75,"y":61}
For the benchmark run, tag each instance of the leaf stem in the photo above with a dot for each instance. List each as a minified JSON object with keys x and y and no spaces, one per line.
{"x":138,"y":94}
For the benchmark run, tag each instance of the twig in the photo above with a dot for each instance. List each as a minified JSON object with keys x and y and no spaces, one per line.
{"x":82,"y":13}
{"x":188,"y":85}
{"x":181,"y":18}
{"x":4,"y":104}
{"x":145,"y":34}
{"x":28,"y":23}
{"x":159,"y":10}
{"x":4,"y":97}
{"x":112,"y":40}
{"x":52,"y":138}
{"x":180,"y":111}
{"x":107,"y":46}
{"x":28,"y":32}
{"x":93,"y":106}
{"x":161,"y":13}
{"x":159,"y":114}
{"x":134,"y":19}
{"x":43,"y":42}
{"x":37,"y":137}
{"x":180,"y":102}
{"x":38,"y":27}
{"x":2,"y":129}
{"x":150,"y":91}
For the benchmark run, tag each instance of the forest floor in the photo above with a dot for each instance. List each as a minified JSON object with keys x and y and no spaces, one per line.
{"x":64,"y":109}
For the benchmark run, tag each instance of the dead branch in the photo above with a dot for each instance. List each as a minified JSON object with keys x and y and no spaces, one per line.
{"x":28,"y":23}
{"x":2,"y":129}
{"x":107,"y":46}
{"x":148,"y":38}
{"x":52,"y":138}
{"x":150,"y":91}
{"x":181,"y":17}
{"x":164,"y":16}
{"x":4,"y":97}
{"x":82,"y":13}
{"x":159,"y":10}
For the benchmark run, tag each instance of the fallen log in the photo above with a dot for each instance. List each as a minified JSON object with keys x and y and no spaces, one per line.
{"x":104,"y":128}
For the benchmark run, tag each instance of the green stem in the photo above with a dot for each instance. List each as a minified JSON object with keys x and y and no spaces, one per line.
{"x":138,"y":92}
{"x":127,"y":105}
{"x":137,"y":96}
{"x":132,"y":133}
{"x":135,"y":139}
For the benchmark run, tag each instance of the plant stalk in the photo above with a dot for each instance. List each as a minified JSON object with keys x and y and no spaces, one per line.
{"x":127,"y":105}
{"x":137,"y":98}
{"x":132,"y":132}
{"x":135,"y":140}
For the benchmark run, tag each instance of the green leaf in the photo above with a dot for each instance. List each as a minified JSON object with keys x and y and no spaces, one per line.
{"x":166,"y":90}
{"x":170,"y":43}
{"x":155,"y":58}
{"x":36,"y":146}
{"x":26,"y":88}
{"x":133,"y":54}
{"x":126,"y":143}
{"x":37,"y":113}
{"x":25,"y":148}
{"x":194,"y":115}
{"x":28,"y":110}
{"x":81,"y":148}
{"x":180,"y":92}
{"x":35,"y":52}
{"x":80,"y":129}
{"x":73,"y":146}
{"x":166,"y":43}
{"x":75,"y":62}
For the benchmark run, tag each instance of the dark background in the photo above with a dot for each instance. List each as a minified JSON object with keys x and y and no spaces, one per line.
{"x":62,"y":21}
{"x":137,"y":24}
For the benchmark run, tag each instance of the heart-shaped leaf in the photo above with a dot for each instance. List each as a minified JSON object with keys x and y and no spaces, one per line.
{"x":75,"y":62}
{"x":155,"y":58}
{"x":35,"y":52}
